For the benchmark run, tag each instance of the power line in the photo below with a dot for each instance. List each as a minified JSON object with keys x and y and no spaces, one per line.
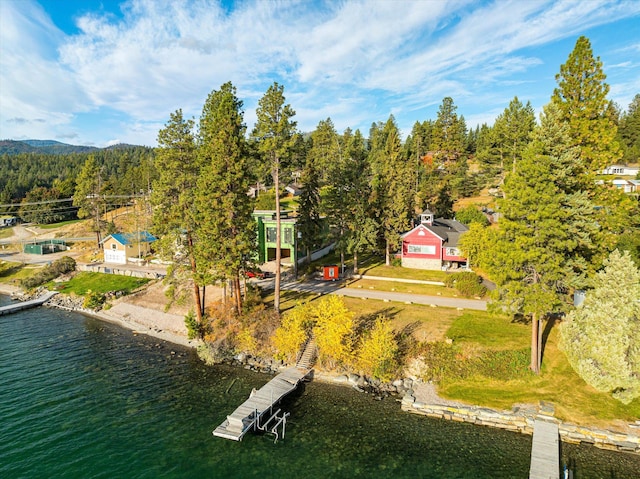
{"x":62,"y":200}
{"x":13,"y":205}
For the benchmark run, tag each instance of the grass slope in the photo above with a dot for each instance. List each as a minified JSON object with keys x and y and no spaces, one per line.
{"x":99,"y":283}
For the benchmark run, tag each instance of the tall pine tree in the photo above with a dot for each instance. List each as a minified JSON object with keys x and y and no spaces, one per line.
{"x":581,"y":97}
{"x":392,"y":191}
{"x":173,"y":199}
{"x":275,"y":133}
{"x":226,"y":227}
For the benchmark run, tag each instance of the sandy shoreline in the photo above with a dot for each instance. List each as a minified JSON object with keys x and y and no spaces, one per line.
{"x":139,"y":319}
{"x":137,"y":327}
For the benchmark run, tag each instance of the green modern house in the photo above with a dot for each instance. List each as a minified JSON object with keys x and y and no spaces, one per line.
{"x":266,"y":237}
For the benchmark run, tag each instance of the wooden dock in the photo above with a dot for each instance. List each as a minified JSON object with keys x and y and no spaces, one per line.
{"x":12,"y":308}
{"x":545,"y":450}
{"x":259,"y":407}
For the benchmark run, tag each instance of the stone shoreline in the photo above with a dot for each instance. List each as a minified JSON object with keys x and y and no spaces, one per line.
{"x":417,"y":397}
{"x":522,"y":420}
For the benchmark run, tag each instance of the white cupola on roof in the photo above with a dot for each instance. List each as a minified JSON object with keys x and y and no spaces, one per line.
{"x":426,"y":217}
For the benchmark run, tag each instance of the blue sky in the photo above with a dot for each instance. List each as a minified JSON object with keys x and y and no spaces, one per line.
{"x":96,"y":72}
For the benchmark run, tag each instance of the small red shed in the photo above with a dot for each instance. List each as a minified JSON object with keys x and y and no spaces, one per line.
{"x":330,"y":272}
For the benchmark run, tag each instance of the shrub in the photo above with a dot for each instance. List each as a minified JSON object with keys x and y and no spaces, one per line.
{"x":334,"y":328}
{"x":467,"y":283}
{"x":292,"y":333}
{"x":59,"y":267}
{"x":471,"y":214}
{"x":63,"y":265}
{"x":378,"y":350}
{"x":93,"y":300}
{"x":194,"y":328}
{"x":245,"y":341}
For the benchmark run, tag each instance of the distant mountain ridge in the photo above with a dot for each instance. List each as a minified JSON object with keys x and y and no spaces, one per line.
{"x":50,"y":147}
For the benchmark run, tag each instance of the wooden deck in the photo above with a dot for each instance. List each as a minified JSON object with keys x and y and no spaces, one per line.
{"x":545,"y":450}
{"x":12,"y":308}
{"x":260,"y":404}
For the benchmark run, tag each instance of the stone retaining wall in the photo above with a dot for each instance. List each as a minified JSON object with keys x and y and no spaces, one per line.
{"x":522,"y":421}
{"x":100,"y":268}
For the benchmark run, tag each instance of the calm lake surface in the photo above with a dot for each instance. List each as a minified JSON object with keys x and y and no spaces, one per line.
{"x":81,"y":398}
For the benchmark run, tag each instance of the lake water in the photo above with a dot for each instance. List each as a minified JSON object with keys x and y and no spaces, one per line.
{"x":81,"y":398}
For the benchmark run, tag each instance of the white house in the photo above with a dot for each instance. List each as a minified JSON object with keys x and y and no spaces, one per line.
{"x":119,"y":246}
{"x":621,"y":170}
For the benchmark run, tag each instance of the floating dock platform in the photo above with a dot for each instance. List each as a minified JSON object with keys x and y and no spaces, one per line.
{"x":13,"y":308}
{"x":251,"y":413}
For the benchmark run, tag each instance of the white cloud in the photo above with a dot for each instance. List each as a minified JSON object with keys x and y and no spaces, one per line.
{"x":353,"y":61}
{"x":37,"y":94}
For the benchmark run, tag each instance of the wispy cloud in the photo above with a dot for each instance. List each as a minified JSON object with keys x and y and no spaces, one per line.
{"x":355,"y":61}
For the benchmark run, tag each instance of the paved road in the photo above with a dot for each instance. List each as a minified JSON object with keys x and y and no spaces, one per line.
{"x":326,"y":287}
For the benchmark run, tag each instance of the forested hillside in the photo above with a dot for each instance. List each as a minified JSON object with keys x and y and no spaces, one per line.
{"x":36,"y":176}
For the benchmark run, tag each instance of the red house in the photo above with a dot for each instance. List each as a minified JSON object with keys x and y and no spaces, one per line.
{"x":433,"y":244}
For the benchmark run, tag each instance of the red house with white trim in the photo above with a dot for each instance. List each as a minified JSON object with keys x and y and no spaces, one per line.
{"x":433,"y":244}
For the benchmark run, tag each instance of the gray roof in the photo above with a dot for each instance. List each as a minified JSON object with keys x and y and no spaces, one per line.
{"x":447,"y":230}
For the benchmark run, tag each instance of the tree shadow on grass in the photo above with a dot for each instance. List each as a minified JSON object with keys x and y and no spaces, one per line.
{"x":552,"y":320}
{"x":405,"y":339}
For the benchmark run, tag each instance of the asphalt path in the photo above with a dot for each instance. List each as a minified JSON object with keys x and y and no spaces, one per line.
{"x":330,"y":287}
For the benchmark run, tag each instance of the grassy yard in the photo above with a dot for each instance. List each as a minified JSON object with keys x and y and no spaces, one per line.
{"x":12,"y":272}
{"x":478,"y":332}
{"x":373,"y":265}
{"x":574,"y":400}
{"x":6,"y":232}
{"x":59,"y":225}
{"x":423,"y":322}
{"x":98,"y":282}
{"x":426,"y":289}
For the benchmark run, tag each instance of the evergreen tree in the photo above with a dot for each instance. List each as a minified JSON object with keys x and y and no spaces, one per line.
{"x":40,"y":206}
{"x":629,"y":131}
{"x":581,"y":97}
{"x":275,"y":132}
{"x":325,"y":148}
{"x":487,"y":152}
{"x":173,"y":199}
{"x":602,"y":336}
{"x":346,"y":199}
{"x":448,"y":141}
{"x":512,"y":130}
{"x":226,"y":228}
{"x":89,"y":193}
{"x":308,"y":222}
{"x":391,"y":186}
{"x":547,"y":230}
{"x":449,"y":133}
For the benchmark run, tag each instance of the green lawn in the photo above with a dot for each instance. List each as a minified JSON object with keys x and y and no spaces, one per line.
{"x":98,"y":282}
{"x":380,"y":269}
{"x":6,"y":232}
{"x":373,"y":265}
{"x":482,"y":334}
{"x":497,"y":332}
{"x":397,"y":287}
{"x":58,"y":225}
{"x":12,"y":272}
{"x":574,"y":400}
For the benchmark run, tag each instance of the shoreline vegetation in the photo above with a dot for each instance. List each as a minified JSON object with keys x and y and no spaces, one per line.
{"x":416,"y":397}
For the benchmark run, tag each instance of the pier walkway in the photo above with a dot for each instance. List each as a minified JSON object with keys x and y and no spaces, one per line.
{"x":545,"y":450}
{"x":12,"y":308}
{"x":257,"y":411}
